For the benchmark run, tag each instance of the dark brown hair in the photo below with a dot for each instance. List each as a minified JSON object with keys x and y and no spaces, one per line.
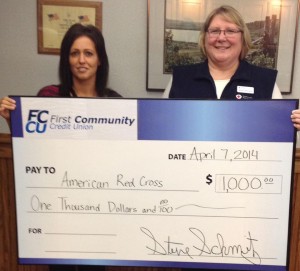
{"x":65,"y":74}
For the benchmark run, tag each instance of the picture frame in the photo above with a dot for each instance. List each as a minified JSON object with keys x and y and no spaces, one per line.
{"x":255,"y":14}
{"x":54,"y":17}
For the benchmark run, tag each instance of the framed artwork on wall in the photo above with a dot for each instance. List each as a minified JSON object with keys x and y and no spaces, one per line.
{"x":174,"y":28}
{"x":55,"y":17}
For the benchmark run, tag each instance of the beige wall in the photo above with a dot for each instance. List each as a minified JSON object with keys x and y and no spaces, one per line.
{"x":24,"y":71}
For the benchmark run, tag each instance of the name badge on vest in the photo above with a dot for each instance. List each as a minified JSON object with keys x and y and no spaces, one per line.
{"x":247,"y":90}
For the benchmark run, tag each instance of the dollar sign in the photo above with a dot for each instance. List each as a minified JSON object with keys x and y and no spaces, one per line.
{"x":209,"y":179}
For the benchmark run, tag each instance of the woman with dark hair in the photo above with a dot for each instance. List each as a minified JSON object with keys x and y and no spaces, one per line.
{"x":66,"y":73}
{"x":83,"y":68}
{"x":83,"y":72}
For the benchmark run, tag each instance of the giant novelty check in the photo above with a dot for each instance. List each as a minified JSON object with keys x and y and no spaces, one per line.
{"x":164,"y":183}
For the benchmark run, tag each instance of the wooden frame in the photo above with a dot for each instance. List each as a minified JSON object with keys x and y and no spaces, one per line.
{"x":55,"y":17}
{"x":159,"y":23}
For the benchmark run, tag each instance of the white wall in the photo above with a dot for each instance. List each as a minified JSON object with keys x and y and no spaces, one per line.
{"x":24,"y":71}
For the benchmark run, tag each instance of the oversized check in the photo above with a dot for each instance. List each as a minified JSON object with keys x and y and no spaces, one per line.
{"x":164,"y":183}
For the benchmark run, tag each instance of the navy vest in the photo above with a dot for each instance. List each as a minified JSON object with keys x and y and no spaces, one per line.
{"x":248,"y":82}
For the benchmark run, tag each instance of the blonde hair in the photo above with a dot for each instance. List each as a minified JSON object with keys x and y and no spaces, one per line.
{"x":230,"y":14}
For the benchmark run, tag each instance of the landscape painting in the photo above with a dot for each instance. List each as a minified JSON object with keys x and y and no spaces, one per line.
{"x":174,"y":28}
{"x":183,"y":23}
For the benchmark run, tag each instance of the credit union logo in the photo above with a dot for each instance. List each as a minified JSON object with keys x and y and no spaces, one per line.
{"x":37,"y":121}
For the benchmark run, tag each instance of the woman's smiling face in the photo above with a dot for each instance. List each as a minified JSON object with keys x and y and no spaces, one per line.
{"x":83,"y":59}
{"x":223,"y":49}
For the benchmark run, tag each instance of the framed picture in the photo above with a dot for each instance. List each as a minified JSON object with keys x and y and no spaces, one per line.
{"x":55,"y":17}
{"x":174,"y":28}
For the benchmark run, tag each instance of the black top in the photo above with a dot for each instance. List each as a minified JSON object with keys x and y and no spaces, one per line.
{"x":248,"y":82}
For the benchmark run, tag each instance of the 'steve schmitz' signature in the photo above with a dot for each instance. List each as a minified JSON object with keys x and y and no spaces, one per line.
{"x":200,"y":247}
